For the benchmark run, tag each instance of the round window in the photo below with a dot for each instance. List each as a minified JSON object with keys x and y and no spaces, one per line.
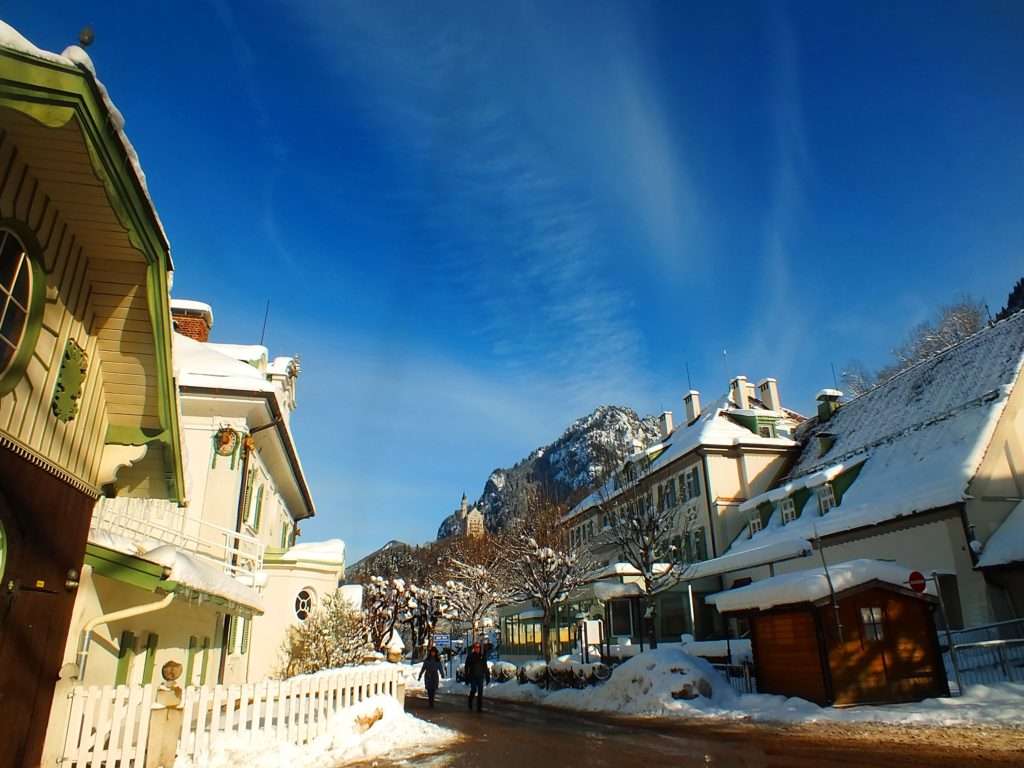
{"x":15,"y":295}
{"x":303,"y":604}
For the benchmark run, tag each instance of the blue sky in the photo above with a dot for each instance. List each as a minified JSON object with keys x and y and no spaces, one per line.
{"x":477,"y":223}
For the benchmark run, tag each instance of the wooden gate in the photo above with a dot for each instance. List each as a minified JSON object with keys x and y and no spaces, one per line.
{"x":108,"y":726}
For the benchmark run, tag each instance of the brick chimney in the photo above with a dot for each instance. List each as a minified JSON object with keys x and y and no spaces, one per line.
{"x":192,"y":318}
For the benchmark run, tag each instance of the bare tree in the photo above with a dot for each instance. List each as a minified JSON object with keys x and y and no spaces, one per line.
{"x":952,"y":324}
{"x":542,"y":566}
{"x":641,"y":523}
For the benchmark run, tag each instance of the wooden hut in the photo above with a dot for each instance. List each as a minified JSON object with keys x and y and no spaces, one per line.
{"x":857,"y":634}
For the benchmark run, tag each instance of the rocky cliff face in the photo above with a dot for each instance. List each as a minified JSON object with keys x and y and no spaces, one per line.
{"x":565,"y":468}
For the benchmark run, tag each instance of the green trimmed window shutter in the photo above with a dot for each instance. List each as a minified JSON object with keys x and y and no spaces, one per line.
{"x":125,"y":652}
{"x":259,"y":509}
{"x":190,"y":659}
{"x":147,"y":669}
{"x":246,"y":629}
{"x":206,"y":659}
{"x":232,"y":634}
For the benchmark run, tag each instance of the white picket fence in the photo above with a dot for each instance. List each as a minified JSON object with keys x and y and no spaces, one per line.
{"x":108,"y":726}
{"x":296,"y":710}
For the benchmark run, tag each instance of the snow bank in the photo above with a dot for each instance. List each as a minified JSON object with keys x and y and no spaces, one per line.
{"x":667,"y":682}
{"x":1001,"y":704}
{"x":664,"y":681}
{"x":373,"y":728}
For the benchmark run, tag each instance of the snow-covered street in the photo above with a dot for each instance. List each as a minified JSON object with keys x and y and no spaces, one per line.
{"x":511,"y":734}
{"x":634,"y":719}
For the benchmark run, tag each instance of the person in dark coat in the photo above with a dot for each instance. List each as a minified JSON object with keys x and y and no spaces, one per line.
{"x":431,"y":672}
{"x":476,"y":672}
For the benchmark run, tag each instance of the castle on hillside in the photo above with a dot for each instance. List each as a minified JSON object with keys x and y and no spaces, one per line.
{"x":470,"y":521}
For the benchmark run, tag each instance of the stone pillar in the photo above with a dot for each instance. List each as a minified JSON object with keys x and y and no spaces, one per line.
{"x":165,"y":720}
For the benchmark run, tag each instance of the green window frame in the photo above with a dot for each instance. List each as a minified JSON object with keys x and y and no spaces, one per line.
{"x":125,"y":653}
{"x":190,"y":658}
{"x":147,"y":669}
{"x":14,"y":370}
{"x":246,"y":632}
{"x":259,"y":509}
{"x":206,"y":661}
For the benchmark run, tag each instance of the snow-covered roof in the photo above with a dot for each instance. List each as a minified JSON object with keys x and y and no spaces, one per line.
{"x":76,"y":57}
{"x":330,"y":552}
{"x":1006,"y":545}
{"x":811,"y":585}
{"x":187,"y":570}
{"x":610,"y":590}
{"x":197,"y":575}
{"x":200,"y":364}
{"x":713,"y":427}
{"x":785,"y":549}
{"x":919,"y":438}
{"x":246,"y":353}
{"x":628,"y":569}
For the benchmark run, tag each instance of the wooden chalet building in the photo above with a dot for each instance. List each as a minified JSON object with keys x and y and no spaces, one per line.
{"x":85,"y":356}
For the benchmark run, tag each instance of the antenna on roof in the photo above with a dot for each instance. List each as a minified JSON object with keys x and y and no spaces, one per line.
{"x":265,"y":316}
{"x":689,"y":383}
{"x":835,"y":380}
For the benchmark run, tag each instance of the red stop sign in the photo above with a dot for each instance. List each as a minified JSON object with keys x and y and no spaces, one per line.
{"x":916,"y":580}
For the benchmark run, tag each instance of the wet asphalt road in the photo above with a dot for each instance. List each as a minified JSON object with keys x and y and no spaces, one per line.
{"x":524,"y":736}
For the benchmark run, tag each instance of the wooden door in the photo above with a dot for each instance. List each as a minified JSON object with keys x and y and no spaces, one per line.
{"x":786,"y":654}
{"x":45,"y":524}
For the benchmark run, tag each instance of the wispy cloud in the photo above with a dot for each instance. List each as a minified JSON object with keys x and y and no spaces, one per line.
{"x":528,"y":173}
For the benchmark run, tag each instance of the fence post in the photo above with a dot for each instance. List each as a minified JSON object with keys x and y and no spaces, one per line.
{"x":165,"y":720}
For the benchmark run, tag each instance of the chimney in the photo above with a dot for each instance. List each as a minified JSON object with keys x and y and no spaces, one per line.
{"x":738,"y":391}
{"x":769,"y":389}
{"x":828,"y":403}
{"x":665,"y":422}
{"x":692,"y":402}
{"x":192,"y":318}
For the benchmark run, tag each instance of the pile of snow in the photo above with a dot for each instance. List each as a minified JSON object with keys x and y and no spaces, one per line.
{"x":664,"y":681}
{"x":502,"y":671}
{"x":373,"y":728}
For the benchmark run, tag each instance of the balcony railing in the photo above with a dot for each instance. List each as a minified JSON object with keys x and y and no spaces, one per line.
{"x":158,"y":522}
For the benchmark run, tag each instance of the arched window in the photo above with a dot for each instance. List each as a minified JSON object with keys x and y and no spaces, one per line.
{"x":15,"y":296}
{"x":304,"y":603}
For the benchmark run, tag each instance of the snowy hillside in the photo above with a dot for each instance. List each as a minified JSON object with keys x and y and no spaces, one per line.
{"x":567,"y":466}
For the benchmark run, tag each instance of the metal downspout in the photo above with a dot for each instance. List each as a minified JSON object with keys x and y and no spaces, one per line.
{"x":126,"y":613}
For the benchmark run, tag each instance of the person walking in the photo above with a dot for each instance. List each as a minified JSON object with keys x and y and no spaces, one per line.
{"x":476,"y":672}
{"x":431,"y":673}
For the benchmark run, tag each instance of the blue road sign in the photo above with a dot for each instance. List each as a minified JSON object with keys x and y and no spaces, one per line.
{"x":443,"y":640}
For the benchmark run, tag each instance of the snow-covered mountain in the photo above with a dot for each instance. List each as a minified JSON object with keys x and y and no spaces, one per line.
{"x":564,"y":468}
